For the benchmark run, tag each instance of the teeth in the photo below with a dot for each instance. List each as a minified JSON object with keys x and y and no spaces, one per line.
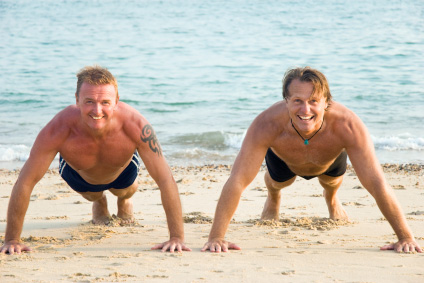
{"x":97,"y":118}
{"x":305,"y":117}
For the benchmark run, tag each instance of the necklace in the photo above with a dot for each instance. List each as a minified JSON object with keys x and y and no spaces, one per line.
{"x":306,"y":141}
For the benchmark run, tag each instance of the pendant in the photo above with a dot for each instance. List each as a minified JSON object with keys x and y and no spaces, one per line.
{"x":306,"y":142}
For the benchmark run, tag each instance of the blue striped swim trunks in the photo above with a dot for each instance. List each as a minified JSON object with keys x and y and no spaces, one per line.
{"x":77,"y":183}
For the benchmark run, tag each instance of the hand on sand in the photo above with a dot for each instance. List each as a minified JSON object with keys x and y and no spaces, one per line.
{"x":174,"y":244}
{"x":218,"y":245}
{"x":12,"y":247}
{"x":404,"y":245}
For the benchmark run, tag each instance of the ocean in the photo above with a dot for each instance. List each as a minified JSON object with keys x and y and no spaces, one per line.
{"x":201,"y":71}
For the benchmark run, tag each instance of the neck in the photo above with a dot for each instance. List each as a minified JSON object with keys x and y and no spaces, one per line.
{"x":97,"y":133}
{"x":306,"y":140}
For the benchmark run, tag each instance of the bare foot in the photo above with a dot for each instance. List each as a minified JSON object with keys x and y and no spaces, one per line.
{"x":338,"y":213}
{"x":335,"y":209}
{"x":101,"y":215}
{"x":125,"y":211}
{"x":271,"y":208}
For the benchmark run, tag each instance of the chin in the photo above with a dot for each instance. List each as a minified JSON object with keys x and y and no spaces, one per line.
{"x":96,"y":126}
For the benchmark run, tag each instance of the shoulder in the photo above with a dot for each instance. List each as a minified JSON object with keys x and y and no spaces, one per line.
{"x":57,"y":130}
{"x":128,"y":113}
{"x":63,"y":121}
{"x":345,"y":123}
{"x":272,"y":119}
{"x":71,"y":114}
{"x":341,"y":116}
{"x":133,"y":122}
{"x":269,"y":124}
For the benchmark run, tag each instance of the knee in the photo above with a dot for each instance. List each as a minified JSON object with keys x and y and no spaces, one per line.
{"x":274,"y":185}
{"x":92,"y":196}
{"x":125,"y":193}
{"x":331,"y":182}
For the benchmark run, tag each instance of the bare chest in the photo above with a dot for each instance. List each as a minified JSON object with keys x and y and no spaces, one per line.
{"x":105,"y":155}
{"x":310,"y":159}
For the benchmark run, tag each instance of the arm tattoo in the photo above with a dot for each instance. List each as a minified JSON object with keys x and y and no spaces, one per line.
{"x":148,"y":136}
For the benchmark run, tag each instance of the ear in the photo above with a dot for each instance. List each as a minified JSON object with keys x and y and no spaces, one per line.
{"x":76,"y":98}
{"x":326,"y":104}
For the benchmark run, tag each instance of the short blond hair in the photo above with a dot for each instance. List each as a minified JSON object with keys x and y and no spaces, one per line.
{"x":307,"y":74}
{"x":95,"y":75}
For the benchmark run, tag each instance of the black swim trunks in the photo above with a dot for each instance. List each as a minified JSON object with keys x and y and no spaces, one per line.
{"x":280,"y":172}
{"x":77,"y":183}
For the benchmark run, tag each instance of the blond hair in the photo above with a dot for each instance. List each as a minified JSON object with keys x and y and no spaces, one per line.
{"x":95,"y":75}
{"x":307,"y":74}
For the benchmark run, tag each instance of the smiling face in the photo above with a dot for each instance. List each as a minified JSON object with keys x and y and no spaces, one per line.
{"x":97,"y":103}
{"x":306,"y":108}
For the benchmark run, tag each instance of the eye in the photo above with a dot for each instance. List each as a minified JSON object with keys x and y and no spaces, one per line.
{"x":105,"y":102}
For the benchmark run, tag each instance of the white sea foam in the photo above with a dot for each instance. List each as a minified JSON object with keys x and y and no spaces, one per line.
{"x":401,"y":142}
{"x":14,"y":152}
{"x":234,"y":140}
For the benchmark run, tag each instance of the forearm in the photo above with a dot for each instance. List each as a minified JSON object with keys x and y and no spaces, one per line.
{"x":225,"y":210}
{"x":392,"y":211}
{"x":18,"y":205}
{"x":172,"y":206}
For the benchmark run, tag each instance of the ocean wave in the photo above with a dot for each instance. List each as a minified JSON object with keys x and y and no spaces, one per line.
{"x":14,"y":152}
{"x":199,"y":156}
{"x":210,"y":140}
{"x":401,"y":142}
{"x":221,"y":146}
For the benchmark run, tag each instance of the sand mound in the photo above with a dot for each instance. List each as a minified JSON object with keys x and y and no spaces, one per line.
{"x":310,"y":223}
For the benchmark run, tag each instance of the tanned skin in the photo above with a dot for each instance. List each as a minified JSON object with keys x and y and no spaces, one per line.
{"x":341,"y":131}
{"x":97,"y":137}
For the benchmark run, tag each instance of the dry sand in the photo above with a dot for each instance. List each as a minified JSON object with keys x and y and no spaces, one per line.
{"x":304,"y":246}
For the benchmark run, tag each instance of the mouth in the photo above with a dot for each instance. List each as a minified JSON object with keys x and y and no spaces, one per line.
{"x":306,"y":118}
{"x":96,"y":118}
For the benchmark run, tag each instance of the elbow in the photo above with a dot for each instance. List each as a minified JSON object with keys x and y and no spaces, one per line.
{"x":379,"y":190}
{"x":234,"y":186}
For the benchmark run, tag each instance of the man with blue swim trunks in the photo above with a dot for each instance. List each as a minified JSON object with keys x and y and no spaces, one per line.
{"x":307,"y":135}
{"x":100,"y":141}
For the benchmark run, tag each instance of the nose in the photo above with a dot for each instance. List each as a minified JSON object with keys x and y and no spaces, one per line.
{"x":305,"y":108}
{"x":97,"y":108}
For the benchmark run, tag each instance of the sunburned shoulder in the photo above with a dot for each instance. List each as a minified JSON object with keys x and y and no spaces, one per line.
{"x":128,"y":113}
{"x":132,"y":121}
{"x":61,"y":125}
{"x":67,"y":116}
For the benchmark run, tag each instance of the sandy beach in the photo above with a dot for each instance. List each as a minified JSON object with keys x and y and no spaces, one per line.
{"x":305,"y":246}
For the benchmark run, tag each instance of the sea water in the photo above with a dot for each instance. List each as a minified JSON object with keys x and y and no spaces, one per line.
{"x":201,"y":71}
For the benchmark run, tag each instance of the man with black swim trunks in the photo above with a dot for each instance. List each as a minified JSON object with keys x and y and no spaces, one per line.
{"x":100,"y":141}
{"x":308,"y":135}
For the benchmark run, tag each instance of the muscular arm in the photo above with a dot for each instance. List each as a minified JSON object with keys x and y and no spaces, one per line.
{"x":41,"y":156}
{"x":151,"y":153}
{"x":245,"y":169}
{"x":361,"y":154}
